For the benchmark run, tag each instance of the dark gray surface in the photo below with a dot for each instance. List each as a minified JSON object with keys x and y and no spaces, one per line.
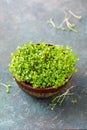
{"x":20,"y":21}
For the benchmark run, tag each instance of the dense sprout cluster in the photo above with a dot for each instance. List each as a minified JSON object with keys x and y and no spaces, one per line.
{"x":42,"y":65}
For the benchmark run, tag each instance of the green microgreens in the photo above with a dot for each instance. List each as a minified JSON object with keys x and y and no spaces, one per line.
{"x":58,"y":100}
{"x":43,"y":65}
{"x":6,"y":86}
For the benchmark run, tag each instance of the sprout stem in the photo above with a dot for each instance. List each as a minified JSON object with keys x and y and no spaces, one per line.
{"x":60,"y":98}
{"x":76,"y":16}
{"x":50,"y":21}
{"x":66,"y":20}
{"x":70,"y":26}
{"x":6,"y":86}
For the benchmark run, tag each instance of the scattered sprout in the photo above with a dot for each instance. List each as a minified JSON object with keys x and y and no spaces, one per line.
{"x":76,"y":16}
{"x":7,"y":90}
{"x":9,"y":85}
{"x":70,"y":26}
{"x":74,"y":30}
{"x":6,"y":86}
{"x":74,"y":101}
{"x":64,"y":29}
{"x":50,"y":21}
{"x":58,"y":100}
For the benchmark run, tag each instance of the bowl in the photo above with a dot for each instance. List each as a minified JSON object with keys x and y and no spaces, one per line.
{"x":41,"y":92}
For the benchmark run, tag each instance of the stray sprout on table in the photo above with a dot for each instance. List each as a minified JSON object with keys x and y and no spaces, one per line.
{"x":70,"y":26}
{"x":74,"y":101}
{"x":76,"y":16}
{"x":58,"y":100}
{"x":66,"y":21}
{"x":6,"y":86}
{"x":50,"y":21}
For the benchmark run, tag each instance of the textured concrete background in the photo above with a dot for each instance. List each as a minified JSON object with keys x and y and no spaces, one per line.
{"x":20,"y":21}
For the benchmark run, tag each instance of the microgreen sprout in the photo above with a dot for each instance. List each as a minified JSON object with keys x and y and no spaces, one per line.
{"x":64,"y":29}
{"x":58,"y":100}
{"x":9,"y":85}
{"x":74,"y":30}
{"x":6,"y":86}
{"x":7,"y":90}
{"x":76,"y":16}
{"x":50,"y":21}
{"x":70,"y":26}
{"x":74,"y":101}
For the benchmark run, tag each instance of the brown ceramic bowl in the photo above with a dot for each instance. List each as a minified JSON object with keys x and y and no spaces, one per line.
{"x":41,"y":92}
